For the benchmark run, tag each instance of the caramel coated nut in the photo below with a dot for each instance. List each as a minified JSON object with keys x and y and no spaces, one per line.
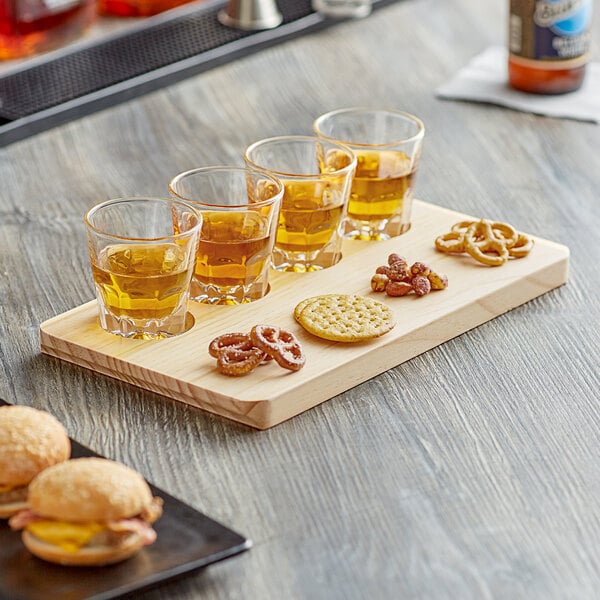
{"x":398,"y":279}
{"x":421,"y":285}
{"x":399,"y":271}
{"x":379,"y":282}
{"x":420,"y":268}
{"x":398,"y":288}
{"x":394,"y":258}
{"x":437,"y":281}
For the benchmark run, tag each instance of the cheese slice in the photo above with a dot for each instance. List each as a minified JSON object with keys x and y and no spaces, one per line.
{"x":68,"y":536}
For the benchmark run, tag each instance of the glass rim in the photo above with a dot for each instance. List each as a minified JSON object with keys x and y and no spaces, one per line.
{"x":218,"y":168}
{"x":301,"y":138}
{"x":359,"y":109}
{"x":125,"y":199}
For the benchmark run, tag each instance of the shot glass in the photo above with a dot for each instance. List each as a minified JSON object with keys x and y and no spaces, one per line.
{"x":239,"y":208}
{"x":142,"y":253}
{"x":316,"y":177}
{"x":387,"y":145}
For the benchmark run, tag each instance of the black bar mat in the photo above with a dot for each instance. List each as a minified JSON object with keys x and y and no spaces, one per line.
{"x":165,"y":49}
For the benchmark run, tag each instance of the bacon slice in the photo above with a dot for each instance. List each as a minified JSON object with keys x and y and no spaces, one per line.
{"x":134,"y":526}
{"x":23,"y":518}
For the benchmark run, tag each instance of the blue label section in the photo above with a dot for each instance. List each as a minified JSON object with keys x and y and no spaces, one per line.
{"x":561,"y":28}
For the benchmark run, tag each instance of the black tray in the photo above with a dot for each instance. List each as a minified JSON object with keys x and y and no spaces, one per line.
{"x":85,"y":77}
{"x":187,"y":540}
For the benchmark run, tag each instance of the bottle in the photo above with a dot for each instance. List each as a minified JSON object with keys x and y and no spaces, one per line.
{"x":549,"y":42}
{"x":31,"y":26}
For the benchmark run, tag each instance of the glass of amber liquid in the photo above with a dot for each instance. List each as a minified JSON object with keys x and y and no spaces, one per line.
{"x":239,"y":209}
{"x":142,"y":252}
{"x":316,"y":177}
{"x":387,"y":145}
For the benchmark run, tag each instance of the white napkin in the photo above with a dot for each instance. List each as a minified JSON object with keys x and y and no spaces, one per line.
{"x":485,"y":79}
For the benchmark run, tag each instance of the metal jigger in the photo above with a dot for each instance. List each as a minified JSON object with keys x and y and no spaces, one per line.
{"x":251,"y":14}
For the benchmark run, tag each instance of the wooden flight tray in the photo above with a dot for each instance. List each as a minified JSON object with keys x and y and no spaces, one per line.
{"x":182,"y":369}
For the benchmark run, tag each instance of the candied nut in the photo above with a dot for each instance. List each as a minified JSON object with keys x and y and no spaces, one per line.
{"x":399,"y":271}
{"x":393,"y":258}
{"x":421,"y":285}
{"x":398,"y":288}
{"x":382,"y":270}
{"x":420,"y":268}
{"x":379,"y":282}
{"x":438,"y":281}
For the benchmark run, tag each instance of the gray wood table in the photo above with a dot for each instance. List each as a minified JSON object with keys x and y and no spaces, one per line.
{"x":471,"y":471}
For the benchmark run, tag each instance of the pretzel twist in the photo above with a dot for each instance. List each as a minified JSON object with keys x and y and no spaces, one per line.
{"x":233,"y":341}
{"x":235,"y":362}
{"x":282,"y":345}
{"x":491,"y":243}
{"x":522,"y":247}
{"x":452,"y":242}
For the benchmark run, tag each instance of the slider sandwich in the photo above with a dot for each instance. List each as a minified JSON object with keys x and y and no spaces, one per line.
{"x":88,"y":512}
{"x":30,"y":441}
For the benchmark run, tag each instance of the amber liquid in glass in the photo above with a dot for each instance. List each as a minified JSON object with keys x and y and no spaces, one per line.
{"x":380,"y":185}
{"x":28,"y":27}
{"x":309,"y":216}
{"x":234,"y":249}
{"x":142,"y":282}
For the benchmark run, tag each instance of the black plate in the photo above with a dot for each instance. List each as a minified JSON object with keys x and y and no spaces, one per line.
{"x":187,"y":540}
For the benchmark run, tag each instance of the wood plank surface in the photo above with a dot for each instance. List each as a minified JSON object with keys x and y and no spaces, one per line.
{"x":468,"y":472}
{"x":181,"y":367}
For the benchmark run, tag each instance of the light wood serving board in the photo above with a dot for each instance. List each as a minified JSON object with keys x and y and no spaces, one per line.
{"x":182,"y":369}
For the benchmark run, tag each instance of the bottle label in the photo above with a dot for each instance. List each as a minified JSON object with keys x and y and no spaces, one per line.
{"x":550,"y":30}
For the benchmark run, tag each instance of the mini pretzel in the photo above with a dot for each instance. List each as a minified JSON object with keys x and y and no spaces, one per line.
{"x":505,"y":232}
{"x":483,"y":246}
{"x":479,"y":232}
{"x":235,"y":362}
{"x":489,"y":242}
{"x":461,"y":226}
{"x":233,"y":341}
{"x":451,"y":242}
{"x":280,"y":344}
{"x":522,"y":246}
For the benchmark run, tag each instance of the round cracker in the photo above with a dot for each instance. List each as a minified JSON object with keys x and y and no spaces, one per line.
{"x":304,"y":303}
{"x":345,"y":318}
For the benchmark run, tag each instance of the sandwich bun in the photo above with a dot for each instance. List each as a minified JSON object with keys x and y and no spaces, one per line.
{"x":94,"y":556}
{"x":88,"y":512}
{"x":31,"y":440}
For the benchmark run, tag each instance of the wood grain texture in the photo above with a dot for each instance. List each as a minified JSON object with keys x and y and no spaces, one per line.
{"x":470,"y":471}
{"x":182,"y":369}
